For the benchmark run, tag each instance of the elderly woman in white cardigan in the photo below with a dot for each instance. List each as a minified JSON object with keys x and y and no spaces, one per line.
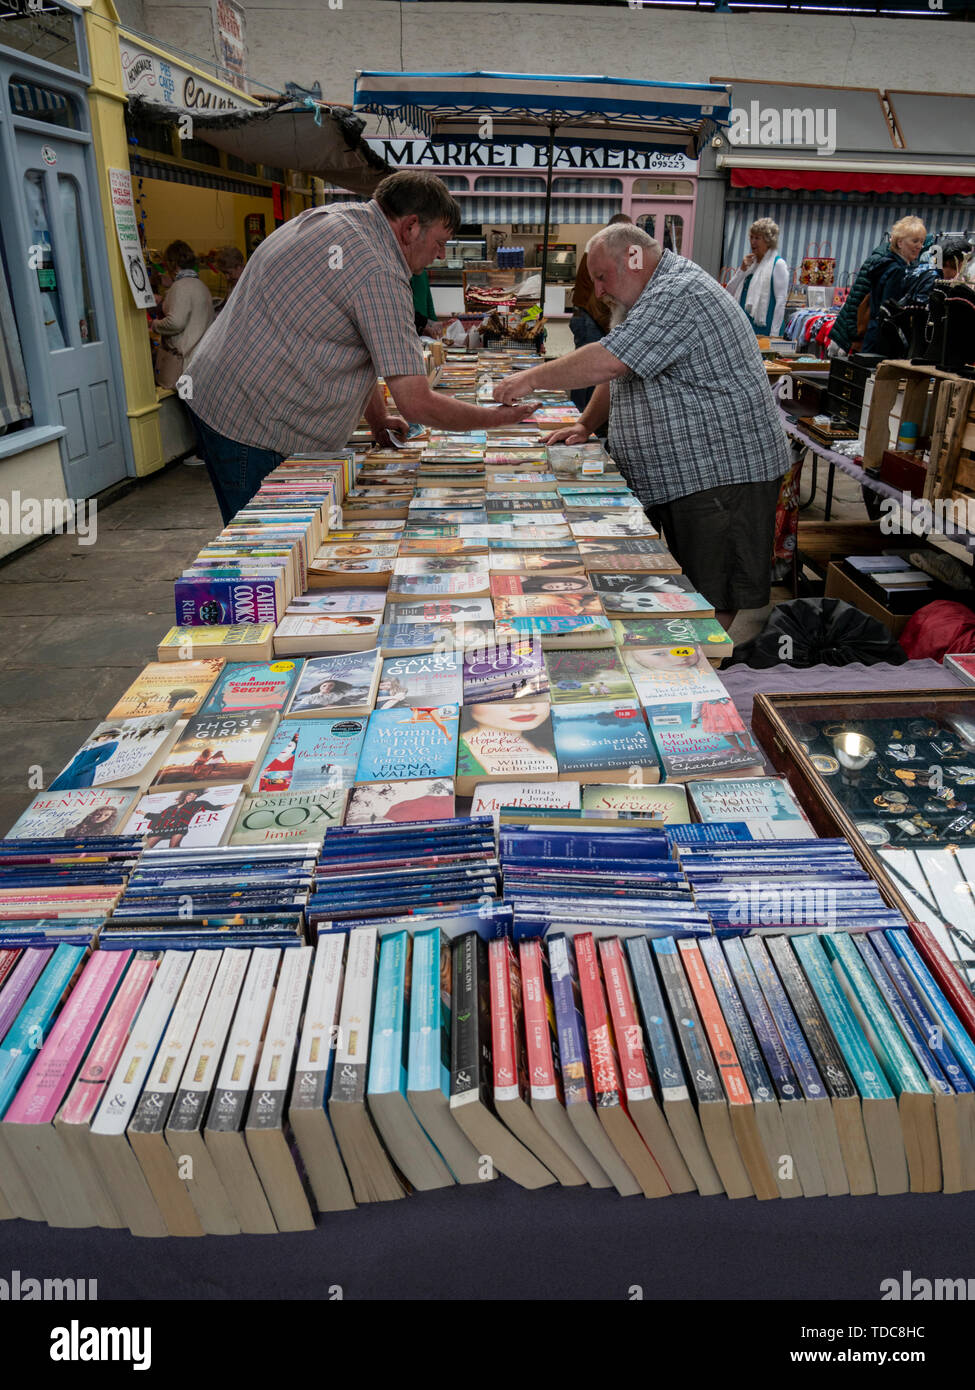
{"x":187,"y":313}
{"x":761,"y":283}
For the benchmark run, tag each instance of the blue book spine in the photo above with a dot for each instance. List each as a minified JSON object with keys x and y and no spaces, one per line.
{"x":26,"y":1036}
{"x":774,"y":1053}
{"x":862,"y":1064}
{"x":657,"y":1029}
{"x":749,"y":1056}
{"x":693,"y":834}
{"x":932,"y":1031}
{"x":386,"y":1050}
{"x":569,"y":1024}
{"x":785,"y":1020}
{"x":701,"y":1070}
{"x":424,"y":1064}
{"x":934,"y":1076}
{"x":899,"y":1064}
{"x":517,"y":841}
{"x":957,"y":1036}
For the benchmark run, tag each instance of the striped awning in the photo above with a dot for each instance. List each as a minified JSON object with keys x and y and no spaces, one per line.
{"x":28,"y":99}
{"x":506,"y":209}
{"x":850,"y":230}
{"x":586,"y":111}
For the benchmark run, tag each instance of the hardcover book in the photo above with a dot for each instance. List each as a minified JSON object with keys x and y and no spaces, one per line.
{"x":217,"y":748}
{"x":188,"y":819}
{"x":247,"y":685}
{"x":407,"y":744}
{"x":168,"y":687}
{"x":602,"y":738}
{"x":505,"y":741}
{"x":312,"y":755}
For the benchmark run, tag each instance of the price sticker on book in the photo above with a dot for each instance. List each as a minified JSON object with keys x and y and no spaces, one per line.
{"x":682,"y":651}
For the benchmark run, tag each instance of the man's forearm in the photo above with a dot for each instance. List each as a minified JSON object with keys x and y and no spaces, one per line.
{"x":591,"y":365}
{"x":437,"y":408}
{"x":376,"y":409}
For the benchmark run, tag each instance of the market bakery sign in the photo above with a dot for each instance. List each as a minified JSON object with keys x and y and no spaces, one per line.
{"x":481,"y":154}
{"x":157,"y":79}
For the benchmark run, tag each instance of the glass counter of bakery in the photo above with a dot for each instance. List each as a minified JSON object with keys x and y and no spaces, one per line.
{"x":895,"y":774}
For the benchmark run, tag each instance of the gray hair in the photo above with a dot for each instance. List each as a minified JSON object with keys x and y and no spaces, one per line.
{"x":617,"y":240}
{"x":767,"y":230}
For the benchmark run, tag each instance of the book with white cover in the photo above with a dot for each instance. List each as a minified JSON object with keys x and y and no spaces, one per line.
{"x":184,"y":1132}
{"x":224,"y":1132}
{"x":308,"y":1114}
{"x":111,"y":1154}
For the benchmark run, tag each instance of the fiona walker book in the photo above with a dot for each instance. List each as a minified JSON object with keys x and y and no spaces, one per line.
{"x":409,"y":744}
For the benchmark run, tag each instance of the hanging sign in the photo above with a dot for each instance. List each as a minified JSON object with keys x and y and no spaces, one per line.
{"x":120,"y":182}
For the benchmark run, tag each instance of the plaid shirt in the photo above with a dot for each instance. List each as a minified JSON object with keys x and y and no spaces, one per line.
{"x":323,"y":307}
{"x":696,"y":410}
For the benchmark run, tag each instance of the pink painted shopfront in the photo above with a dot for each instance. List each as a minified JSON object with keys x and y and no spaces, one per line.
{"x":501,"y":191}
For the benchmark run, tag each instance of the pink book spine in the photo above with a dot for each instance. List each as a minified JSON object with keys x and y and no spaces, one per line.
{"x":502,"y":1032}
{"x":541,"y":1069}
{"x":626,"y":1025}
{"x":88,"y":1090}
{"x":43,"y":1088}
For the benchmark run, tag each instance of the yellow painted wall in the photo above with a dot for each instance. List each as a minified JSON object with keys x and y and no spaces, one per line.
{"x":205,"y":217}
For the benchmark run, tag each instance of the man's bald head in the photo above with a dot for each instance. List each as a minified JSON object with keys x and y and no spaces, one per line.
{"x":621,"y":260}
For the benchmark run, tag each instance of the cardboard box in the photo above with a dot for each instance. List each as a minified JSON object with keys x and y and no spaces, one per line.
{"x":840,"y":585}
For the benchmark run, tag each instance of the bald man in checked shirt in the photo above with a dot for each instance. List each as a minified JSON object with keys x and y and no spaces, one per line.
{"x":323,"y":308}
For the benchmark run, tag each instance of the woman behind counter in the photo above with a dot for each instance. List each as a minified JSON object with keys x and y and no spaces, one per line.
{"x":761,"y":282}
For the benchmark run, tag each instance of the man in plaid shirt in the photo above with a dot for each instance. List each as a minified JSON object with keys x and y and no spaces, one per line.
{"x":692,"y":422}
{"x":324,"y":307}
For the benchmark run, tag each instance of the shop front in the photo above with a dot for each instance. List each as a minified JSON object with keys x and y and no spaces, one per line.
{"x":63,"y":432}
{"x":182,"y":189}
{"x":836,"y":167}
{"x":501,"y":191}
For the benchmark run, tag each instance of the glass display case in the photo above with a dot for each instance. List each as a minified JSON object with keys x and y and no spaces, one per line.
{"x":461,"y":252}
{"x":895,"y":774}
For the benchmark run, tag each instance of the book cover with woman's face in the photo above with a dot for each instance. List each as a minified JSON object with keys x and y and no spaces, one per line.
{"x":507,"y":739}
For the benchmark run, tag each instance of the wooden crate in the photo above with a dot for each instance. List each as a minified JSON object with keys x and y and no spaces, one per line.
{"x":925,"y":392}
{"x":951,"y":472}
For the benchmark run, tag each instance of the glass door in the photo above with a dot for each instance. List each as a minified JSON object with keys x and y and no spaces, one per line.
{"x":671,"y":223}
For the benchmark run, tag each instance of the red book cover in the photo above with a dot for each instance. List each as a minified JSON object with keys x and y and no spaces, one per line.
{"x":503,"y":1048}
{"x":945,"y":973}
{"x":8,"y":959}
{"x":715,"y":1027}
{"x":599,"y":1034}
{"x":626,"y":1024}
{"x":541,"y":1066}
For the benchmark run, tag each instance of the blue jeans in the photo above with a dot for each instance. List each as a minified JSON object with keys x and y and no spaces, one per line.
{"x":236,"y":470}
{"x":584,"y":330}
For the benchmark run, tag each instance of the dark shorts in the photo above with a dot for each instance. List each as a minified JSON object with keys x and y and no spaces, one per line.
{"x":722,"y":540}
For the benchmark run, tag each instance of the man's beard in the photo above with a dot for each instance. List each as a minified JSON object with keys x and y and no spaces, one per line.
{"x":617,"y":311}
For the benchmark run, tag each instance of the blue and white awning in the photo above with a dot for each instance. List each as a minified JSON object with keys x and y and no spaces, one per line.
{"x":515,"y":108}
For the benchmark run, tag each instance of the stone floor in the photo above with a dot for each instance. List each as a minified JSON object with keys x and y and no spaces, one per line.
{"x":80,"y":621}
